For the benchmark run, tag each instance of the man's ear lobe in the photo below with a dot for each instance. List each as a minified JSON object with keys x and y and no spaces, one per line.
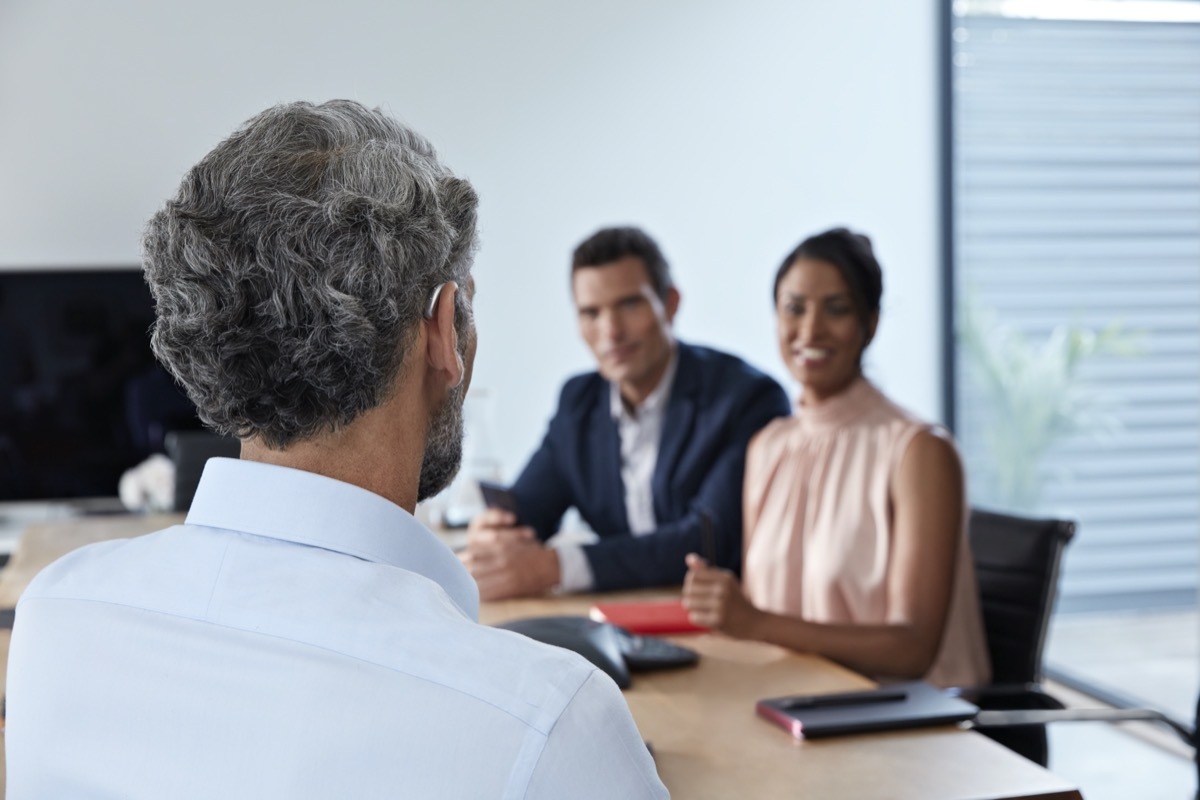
{"x":442,"y":342}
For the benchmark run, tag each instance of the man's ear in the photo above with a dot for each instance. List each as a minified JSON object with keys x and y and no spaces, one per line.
{"x":671,"y":303}
{"x":441,"y":344}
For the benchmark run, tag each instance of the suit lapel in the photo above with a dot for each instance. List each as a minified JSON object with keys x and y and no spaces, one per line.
{"x":677,"y":428}
{"x":604,"y":451}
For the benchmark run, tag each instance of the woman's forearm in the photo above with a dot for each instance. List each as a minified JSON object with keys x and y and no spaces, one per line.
{"x":895,"y":650}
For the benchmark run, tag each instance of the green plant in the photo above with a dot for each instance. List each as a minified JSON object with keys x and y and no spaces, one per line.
{"x":1033,"y":398}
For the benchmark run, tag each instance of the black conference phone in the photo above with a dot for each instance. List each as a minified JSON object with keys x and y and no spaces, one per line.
{"x":613,"y":649}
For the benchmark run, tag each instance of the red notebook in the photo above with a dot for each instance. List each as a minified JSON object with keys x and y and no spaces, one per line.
{"x":649,"y":616}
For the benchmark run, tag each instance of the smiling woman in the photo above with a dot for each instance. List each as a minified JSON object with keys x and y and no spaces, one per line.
{"x":824,"y":325}
{"x":854,"y":509}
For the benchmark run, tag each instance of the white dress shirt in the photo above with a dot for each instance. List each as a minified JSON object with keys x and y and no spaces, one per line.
{"x":297,"y":637}
{"x":640,"y":432}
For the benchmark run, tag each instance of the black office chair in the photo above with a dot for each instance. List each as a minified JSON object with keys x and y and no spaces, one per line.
{"x":1016,"y":564}
{"x":1017,"y":561}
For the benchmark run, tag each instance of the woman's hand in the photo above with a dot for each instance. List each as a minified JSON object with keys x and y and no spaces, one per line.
{"x":714,"y":599}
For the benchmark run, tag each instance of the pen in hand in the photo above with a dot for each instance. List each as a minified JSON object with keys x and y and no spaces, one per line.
{"x":708,"y":542}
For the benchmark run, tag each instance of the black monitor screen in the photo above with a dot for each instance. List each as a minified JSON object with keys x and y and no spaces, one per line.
{"x":81,"y":397}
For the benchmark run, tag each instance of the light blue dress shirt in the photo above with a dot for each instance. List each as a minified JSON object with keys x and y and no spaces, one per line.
{"x":297,"y":637}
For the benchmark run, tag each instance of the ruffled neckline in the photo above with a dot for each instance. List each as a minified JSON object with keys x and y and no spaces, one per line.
{"x":859,"y":398}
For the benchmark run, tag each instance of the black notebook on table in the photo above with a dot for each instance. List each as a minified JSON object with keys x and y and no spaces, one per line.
{"x":911,"y":704}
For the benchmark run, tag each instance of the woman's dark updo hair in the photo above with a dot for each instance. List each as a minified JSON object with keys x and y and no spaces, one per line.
{"x":853,"y":257}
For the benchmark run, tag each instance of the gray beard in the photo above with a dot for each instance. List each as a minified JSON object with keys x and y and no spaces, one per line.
{"x":443,"y":446}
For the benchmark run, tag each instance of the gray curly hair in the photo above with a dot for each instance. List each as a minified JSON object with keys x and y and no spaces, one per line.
{"x":292,"y":267}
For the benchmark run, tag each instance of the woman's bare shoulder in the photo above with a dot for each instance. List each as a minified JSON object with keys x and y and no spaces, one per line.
{"x":932,"y":454}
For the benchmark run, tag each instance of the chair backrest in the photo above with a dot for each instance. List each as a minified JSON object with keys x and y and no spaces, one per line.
{"x":191,"y":450}
{"x":1016,"y":563}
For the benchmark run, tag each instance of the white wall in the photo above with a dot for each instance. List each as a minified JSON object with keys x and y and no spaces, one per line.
{"x":728,"y":130}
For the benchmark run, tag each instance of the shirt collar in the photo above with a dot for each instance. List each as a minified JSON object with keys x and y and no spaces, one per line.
{"x":309,"y":509}
{"x":654,"y":401}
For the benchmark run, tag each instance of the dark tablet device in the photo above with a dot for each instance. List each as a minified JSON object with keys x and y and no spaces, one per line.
{"x":497,"y":496}
{"x":911,"y":704}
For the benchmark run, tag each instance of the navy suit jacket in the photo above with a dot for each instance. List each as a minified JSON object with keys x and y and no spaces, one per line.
{"x":717,"y":403}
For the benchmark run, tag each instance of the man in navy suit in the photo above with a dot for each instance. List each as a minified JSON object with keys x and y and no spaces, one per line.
{"x":650,"y":448}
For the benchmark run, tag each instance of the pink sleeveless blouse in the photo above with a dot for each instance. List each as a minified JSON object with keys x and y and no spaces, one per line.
{"x":819,"y":524}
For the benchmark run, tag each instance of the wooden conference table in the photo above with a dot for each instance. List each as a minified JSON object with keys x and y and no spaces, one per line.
{"x":707,"y":740}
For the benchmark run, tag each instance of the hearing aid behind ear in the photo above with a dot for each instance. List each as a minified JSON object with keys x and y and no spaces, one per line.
{"x":433,"y":298}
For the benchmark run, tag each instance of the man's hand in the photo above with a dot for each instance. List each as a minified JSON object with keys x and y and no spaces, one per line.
{"x":506,"y":560}
{"x":495,"y":526}
{"x":714,"y":599}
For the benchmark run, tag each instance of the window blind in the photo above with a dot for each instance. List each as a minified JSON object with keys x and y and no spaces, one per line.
{"x":1076,"y":202}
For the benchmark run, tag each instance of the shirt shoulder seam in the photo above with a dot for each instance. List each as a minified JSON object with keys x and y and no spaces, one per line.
{"x":530,"y":724}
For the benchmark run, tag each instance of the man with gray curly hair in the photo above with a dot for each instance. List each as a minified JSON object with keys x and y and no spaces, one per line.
{"x":301,"y":635}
